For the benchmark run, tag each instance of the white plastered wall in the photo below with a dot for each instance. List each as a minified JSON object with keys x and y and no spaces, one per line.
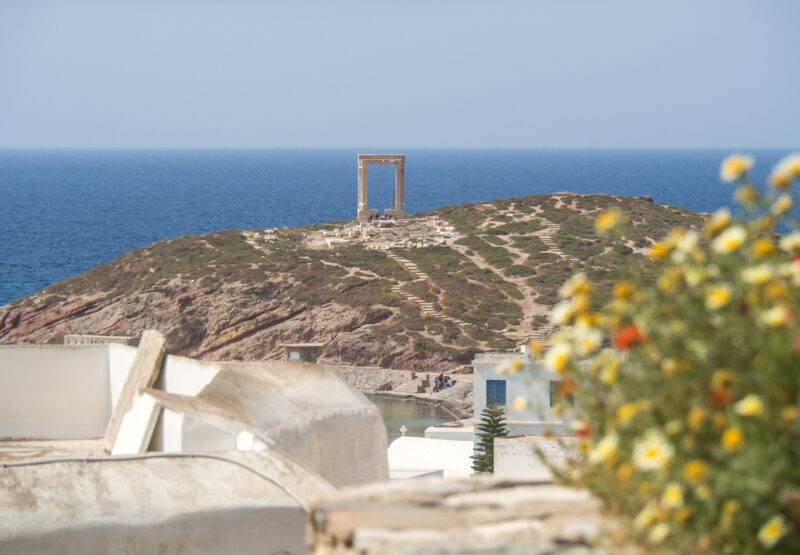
{"x":54,"y":391}
{"x":176,"y":432}
{"x":532,"y":383}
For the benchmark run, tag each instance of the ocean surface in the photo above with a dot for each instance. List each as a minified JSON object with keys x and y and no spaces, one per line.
{"x":64,"y":211}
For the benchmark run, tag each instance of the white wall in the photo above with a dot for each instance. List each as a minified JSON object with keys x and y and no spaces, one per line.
{"x":54,"y":391}
{"x":518,"y":455}
{"x":120,"y":359}
{"x":532,"y":382}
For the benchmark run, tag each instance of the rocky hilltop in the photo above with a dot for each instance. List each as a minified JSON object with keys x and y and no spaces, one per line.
{"x":433,"y":289}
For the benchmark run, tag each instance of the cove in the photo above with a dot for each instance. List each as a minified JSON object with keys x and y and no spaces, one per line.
{"x":414,"y":415}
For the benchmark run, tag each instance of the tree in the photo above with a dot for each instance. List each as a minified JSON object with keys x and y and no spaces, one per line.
{"x":492,"y":425}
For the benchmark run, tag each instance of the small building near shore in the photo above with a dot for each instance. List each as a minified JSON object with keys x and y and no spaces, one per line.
{"x":301,"y":352}
{"x":84,"y":339}
{"x":542,"y":389}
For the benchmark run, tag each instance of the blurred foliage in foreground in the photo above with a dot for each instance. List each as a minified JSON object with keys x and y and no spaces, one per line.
{"x":689,"y":425}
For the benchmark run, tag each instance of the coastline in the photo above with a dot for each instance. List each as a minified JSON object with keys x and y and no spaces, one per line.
{"x":373,"y":380}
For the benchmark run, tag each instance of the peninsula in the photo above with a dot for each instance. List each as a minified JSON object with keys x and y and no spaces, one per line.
{"x":430,"y":288}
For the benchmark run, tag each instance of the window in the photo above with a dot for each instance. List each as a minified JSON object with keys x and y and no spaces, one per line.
{"x":496,"y":391}
{"x":294,"y":355}
{"x":561,"y":393}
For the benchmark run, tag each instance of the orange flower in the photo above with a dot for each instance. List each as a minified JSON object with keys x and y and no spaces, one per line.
{"x":628,"y":337}
{"x":720,"y":398}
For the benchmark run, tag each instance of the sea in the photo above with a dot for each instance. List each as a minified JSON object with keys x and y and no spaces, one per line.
{"x":65,"y":211}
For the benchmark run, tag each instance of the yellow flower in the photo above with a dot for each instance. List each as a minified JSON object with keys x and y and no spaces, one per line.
{"x":659,"y":250}
{"x":625,"y":472}
{"x":626,"y":412}
{"x":694,"y":276}
{"x":577,"y":284}
{"x":779,"y":180}
{"x":673,"y":496}
{"x":622,"y":290}
{"x":730,"y":239}
{"x":719,"y":221}
{"x":696,"y":417}
{"x":772,"y":531}
{"x":775,"y":317}
{"x":645,"y":517}
{"x":786,"y":170}
{"x":503,"y":367}
{"x":671,"y":366}
{"x":607,"y":221}
{"x":587,"y":339}
{"x":734,"y":167}
{"x":558,"y":357}
{"x":789,"y":412}
{"x":694,"y":471}
{"x":520,"y":403}
{"x":781,"y":205}
{"x":515,"y":366}
{"x":790,"y":242}
{"x":587,"y":319}
{"x":730,"y":506}
{"x":702,"y":492}
{"x":722,"y":378}
{"x":758,"y":274}
{"x":718,"y":296}
{"x":673,"y":427}
{"x":658,"y":533}
{"x":605,"y":449}
{"x":719,"y":420}
{"x":762,"y":247}
{"x":682,"y":514}
{"x":790,"y":165}
{"x":746,"y":194}
{"x":776,"y":290}
{"x":670,"y":279}
{"x":536,"y":347}
{"x":732,"y":439}
{"x":608,"y":374}
{"x":652,"y":451}
{"x":750,"y":406}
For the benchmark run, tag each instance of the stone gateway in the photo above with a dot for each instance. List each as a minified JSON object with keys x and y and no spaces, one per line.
{"x":399,"y":161}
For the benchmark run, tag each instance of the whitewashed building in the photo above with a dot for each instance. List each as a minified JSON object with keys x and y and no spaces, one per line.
{"x":108,"y":448}
{"x":541,"y":388}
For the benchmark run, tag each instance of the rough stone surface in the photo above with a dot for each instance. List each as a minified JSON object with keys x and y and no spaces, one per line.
{"x":477,"y":515}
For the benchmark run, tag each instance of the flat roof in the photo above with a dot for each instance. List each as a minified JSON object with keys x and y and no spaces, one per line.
{"x":302,"y":344}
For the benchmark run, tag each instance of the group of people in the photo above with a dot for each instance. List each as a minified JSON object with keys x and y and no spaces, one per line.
{"x":441,"y":382}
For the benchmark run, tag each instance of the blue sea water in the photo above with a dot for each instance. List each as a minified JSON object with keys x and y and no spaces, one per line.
{"x":64,"y":211}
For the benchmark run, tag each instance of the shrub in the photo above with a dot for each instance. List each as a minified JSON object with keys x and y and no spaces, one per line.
{"x":691,"y":422}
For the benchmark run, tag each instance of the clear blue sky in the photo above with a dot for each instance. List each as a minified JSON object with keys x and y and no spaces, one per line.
{"x":562,"y":73}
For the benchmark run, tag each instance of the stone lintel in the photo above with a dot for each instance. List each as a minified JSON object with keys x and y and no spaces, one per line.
{"x":370,"y":157}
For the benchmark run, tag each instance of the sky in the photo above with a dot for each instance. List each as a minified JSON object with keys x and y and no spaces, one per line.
{"x":428,"y":73}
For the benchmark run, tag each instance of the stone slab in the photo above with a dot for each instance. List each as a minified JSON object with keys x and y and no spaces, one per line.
{"x":144,"y":371}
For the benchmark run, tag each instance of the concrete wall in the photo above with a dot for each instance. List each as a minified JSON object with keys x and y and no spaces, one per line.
{"x":54,"y":391}
{"x":518,"y":455}
{"x":532,"y":382}
{"x":153,"y":506}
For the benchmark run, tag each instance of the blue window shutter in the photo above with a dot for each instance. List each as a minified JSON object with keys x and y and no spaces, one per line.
{"x":496,"y":389}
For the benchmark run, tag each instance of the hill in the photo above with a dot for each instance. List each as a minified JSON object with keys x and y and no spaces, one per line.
{"x":433,"y":289}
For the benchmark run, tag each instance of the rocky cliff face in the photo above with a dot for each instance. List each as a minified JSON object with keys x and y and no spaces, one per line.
{"x":239,"y":295}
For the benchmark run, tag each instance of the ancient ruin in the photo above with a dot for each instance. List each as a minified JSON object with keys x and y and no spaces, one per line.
{"x":399,"y":161}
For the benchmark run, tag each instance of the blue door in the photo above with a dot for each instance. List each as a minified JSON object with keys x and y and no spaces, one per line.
{"x":496,"y":390}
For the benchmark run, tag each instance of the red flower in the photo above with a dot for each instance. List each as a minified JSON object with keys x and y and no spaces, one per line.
{"x":628,"y":337}
{"x":796,"y":259}
{"x":567,"y":387}
{"x":720,"y":398}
